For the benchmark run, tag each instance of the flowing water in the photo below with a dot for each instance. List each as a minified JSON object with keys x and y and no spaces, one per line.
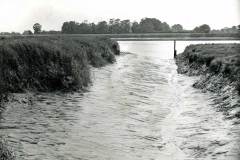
{"x":137,"y":109}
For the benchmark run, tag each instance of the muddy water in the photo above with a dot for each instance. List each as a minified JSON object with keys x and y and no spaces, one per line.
{"x":137,"y":109}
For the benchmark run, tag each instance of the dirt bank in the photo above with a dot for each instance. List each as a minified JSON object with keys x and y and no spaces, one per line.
{"x":218,"y":66}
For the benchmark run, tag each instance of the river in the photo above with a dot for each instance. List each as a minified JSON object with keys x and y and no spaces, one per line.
{"x":136,"y":109}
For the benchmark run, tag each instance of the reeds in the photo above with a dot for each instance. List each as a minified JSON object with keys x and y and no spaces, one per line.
{"x":51,"y":63}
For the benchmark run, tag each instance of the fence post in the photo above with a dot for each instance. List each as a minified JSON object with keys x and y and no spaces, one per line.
{"x":175,"y":51}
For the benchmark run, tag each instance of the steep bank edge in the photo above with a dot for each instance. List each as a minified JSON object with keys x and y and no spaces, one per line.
{"x":218,"y":66}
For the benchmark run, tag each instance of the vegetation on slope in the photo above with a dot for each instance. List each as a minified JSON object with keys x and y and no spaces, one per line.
{"x":48,"y":64}
{"x":219,"y":67}
{"x":221,"y":59}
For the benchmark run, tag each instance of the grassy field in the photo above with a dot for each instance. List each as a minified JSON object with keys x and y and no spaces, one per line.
{"x":223,"y":36}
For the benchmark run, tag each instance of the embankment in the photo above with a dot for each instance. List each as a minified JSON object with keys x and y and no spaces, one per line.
{"x":218,"y":66}
{"x":49,"y":64}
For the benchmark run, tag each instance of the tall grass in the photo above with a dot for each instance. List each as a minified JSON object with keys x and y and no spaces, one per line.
{"x":221,"y":59}
{"x":51,"y":63}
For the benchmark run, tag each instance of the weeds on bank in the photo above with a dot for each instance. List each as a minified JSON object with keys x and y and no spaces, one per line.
{"x":51,"y":63}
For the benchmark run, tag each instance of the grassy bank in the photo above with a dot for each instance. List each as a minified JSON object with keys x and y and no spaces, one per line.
{"x":51,"y":63}
{"x":219,"y":68}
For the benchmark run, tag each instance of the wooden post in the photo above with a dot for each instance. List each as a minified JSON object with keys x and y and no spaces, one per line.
{"x":175,"y":51}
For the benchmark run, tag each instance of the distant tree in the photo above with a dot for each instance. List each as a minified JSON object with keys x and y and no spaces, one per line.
{"x":177,"y":28}
{"x":65,"y":27}
{"x":233,"y":29}
{"x":125,"y":26}
{"x":215,"y":31}
{"x":165,"y":27}
{"x":15,"y":33}
{"x":136,"y":27}
{"x":115,"y":25}
{"x":84,"y":28}
{"x":148,"y":25}
{"x":202,"y":29}
{"x":196,"y":30}
{"x":37,"y":28}
{"x":157,"y":24}
{"x":205,"y":28}
{"x":27,"y":32}
{"x":102,"y":27}
{"x":238,"y":28}
{"x":70,"y":27}
{"x":5,"y":33}
{"x":93,"y":27}
{"x":118,"y":26}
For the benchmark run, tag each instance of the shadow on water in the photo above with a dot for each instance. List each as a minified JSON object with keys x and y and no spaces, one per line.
{"x":138,"y":108}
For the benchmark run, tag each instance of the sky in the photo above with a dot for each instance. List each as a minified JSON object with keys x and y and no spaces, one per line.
{"x":20,"y":15}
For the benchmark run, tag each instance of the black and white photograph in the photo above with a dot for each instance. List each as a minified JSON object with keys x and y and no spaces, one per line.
{"x":120,"y":80}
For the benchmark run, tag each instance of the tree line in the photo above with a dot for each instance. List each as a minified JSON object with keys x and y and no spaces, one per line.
{"x":117,"y":26}
{"x":146,"y":25}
